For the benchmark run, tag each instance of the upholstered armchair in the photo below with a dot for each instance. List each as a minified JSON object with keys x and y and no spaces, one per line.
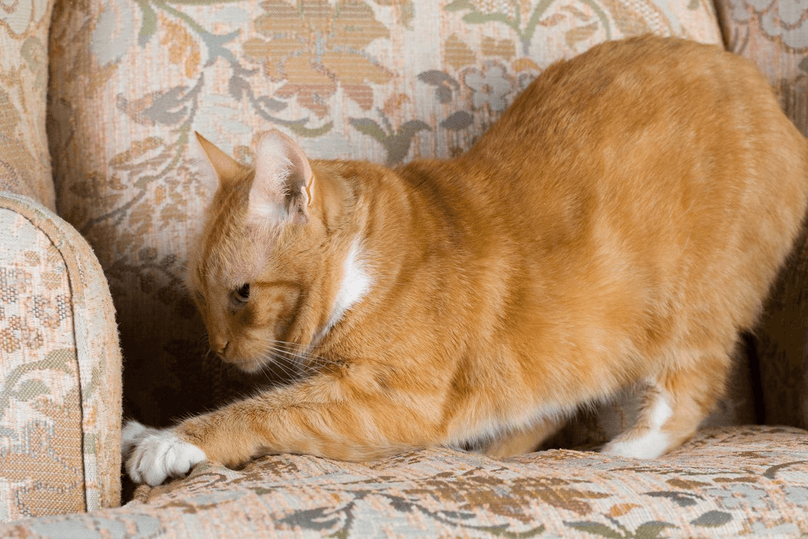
{"x":99,"y":197}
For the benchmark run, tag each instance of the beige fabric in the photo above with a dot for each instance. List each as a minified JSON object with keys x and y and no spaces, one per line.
{"x":24,"y":159}
{"x":60,"y":369}
{"x":728,"y":482}
{"x":774,"y":35}
{"x":382,"y":80}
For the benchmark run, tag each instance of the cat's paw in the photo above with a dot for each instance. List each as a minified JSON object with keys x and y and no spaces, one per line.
{"x":154,"y":455}
{"x":650,"y":445}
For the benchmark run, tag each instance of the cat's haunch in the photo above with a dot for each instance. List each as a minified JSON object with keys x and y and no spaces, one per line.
{"x":619,"y":225}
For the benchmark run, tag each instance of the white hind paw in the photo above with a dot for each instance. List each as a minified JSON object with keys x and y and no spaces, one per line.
{"x":649,"y":446}
{"x":157,"y":454}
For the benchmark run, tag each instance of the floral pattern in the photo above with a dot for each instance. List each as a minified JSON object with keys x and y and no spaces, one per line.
{"x":24,"y":159}
{"x":313,"y":47}
{"x":779,"y":20}
{"x":727,"y":482}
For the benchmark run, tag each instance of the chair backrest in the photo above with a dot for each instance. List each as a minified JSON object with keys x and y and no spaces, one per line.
{"x":24,"y":160}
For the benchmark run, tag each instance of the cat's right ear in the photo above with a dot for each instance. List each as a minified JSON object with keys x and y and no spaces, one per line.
{"x":216,"y":167}
{"x":284,"y":188}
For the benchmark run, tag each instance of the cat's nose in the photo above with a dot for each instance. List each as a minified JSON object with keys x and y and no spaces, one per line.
{"x":219,"y":346}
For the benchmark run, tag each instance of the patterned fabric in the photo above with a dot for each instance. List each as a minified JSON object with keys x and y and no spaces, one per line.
{"x":386,"y":80}
{"x":774,"y":35}
{"x":60,"y":369}
{"x":24,"y":160}
{"x":727,"y":482}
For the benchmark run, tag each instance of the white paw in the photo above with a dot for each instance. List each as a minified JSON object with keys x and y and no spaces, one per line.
{"x":154,"y":455}
{"x":647,"y":442}
{"x":647,"y":447}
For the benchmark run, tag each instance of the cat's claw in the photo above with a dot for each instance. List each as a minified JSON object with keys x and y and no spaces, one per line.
{"x":152,"y":455}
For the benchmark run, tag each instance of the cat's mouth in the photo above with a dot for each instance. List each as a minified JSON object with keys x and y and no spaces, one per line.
{"x":274,"y":365}
{"x":250,"y":365}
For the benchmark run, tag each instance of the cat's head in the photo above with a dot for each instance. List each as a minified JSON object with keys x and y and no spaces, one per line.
{"x":259,"y":272}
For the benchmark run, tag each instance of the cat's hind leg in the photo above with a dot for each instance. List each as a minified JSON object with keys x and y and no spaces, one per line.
{"x":523,"y":440}
{"x":674,"y":404}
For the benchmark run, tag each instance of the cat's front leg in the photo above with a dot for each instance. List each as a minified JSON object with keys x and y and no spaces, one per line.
{"x":327,"y":417}
{"x":153,"y":455}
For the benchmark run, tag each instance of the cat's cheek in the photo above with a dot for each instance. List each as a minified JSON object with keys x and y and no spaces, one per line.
{"x":157,"y":454}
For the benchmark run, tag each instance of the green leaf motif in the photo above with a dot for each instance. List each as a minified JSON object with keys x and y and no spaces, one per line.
{"x":149,"y":24}
{"x":712,"y":519}
{"x":459,"y":5}
{"x":500,"y":531}
{"x":480,"y":18}
{"x":397,"y":143}
{"x":59,"y":359}
{"x":30,"y":389}
{"x":304,"y":131}
{"x":595,"y":528}
{"x":369,"y":127}
{"x":651,"y":530}
{"x":457,"y":121}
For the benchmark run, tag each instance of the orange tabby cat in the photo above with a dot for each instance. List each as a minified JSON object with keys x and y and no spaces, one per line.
{"x":618,"y":225}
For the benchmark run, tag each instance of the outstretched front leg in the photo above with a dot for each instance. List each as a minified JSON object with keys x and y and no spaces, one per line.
{"x":321,"y":416}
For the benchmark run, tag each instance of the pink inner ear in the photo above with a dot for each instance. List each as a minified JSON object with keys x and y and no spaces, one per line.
{"x":282,"y":173}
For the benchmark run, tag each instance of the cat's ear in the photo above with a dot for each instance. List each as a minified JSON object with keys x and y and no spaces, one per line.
{"x":283,"y":188}
{"x":216,"y":167}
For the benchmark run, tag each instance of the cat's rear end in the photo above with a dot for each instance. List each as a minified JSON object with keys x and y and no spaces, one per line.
{"x":667,"y":190}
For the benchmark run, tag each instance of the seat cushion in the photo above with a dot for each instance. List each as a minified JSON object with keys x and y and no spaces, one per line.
{"x":24,"y":159}
{"x":726,"y":482}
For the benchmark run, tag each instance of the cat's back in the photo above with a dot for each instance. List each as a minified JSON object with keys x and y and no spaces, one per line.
{"x":650,"y":134}
{"x":659,"y":163}
{"x":649,"y":98}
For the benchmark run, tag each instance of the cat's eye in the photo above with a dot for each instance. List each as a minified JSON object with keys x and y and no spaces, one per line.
{"x":242,"y":294}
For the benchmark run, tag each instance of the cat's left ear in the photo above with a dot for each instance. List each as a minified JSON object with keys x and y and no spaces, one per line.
{"x":216,"y":167}
{"x":283,"y":188}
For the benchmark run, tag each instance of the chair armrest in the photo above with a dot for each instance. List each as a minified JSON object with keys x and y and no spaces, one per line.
{"x":60,"y":369}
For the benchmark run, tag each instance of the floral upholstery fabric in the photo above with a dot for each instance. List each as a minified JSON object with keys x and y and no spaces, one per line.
{"x":376,"y":79}
{"x":60,"y":369}
{"x":774,"y":35}
{"x":727,"y":482}
{"x":24,"y":160}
